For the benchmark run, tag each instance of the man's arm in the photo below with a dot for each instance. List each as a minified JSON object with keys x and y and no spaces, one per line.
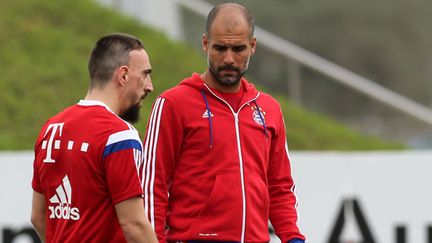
{"x":161,"y":148}
{"x":283,"y":201}
{"x":38,"y":214}
{"x":133,"y":221}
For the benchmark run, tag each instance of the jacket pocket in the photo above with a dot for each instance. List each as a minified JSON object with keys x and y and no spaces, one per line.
{"x":221,"y":217}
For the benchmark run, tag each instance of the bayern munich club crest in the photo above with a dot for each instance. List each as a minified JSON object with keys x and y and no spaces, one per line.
{"x":258,"y":115}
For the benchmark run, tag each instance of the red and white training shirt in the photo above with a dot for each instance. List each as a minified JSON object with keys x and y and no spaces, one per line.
{"x":86,"y":160}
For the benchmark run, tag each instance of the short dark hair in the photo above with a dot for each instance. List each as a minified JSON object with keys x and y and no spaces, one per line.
{"x":247,"y":14}
{"x":110,"y":52}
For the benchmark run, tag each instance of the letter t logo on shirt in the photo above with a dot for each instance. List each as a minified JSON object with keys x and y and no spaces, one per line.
{"x":53,"y":128}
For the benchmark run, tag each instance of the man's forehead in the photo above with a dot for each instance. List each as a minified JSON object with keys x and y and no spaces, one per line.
{"x":139,"y":57}
{"x":229,"y":43}
{"x":229,"y":34}
{"x":229,"y":39}
{"x":229,"y":24}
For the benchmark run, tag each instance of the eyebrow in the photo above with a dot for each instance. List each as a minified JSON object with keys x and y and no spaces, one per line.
{"x":229,"y":46}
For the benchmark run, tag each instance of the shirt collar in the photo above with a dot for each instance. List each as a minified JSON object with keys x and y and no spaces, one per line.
{"x":93,"y":103}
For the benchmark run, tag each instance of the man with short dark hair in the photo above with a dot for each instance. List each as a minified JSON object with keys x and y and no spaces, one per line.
{"x":86,"y":185}
{"x":216,"y":158}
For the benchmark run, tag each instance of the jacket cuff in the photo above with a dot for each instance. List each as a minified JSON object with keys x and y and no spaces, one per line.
{"x":296,"y":241}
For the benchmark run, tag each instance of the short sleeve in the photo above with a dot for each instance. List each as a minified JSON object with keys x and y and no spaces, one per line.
{"x":36,"y":185}
{"x":122,"y":157}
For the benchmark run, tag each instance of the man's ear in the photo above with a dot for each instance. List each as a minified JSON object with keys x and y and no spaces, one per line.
{"x":253,"y":44}
{"x":204,"y":43}
{"x":122,"y":75}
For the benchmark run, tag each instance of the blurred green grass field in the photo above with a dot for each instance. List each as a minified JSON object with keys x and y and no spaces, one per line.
{"x":44,"y":51}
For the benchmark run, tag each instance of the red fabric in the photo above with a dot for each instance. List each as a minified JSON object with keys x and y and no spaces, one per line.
{"x":233,"y":99}
{"x":194,"y":191}
{"x":83,"y":180}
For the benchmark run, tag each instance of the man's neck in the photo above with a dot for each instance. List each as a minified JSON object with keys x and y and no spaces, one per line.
{"x":108,"y":100}
{"x":210,"y":81}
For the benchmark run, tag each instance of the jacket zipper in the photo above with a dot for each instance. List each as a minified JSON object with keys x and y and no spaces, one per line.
{"x":237,"y":129}
{"x":241,"y":176}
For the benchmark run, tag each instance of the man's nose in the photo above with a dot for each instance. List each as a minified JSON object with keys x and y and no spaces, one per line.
{"x":148,"y":87}
{"x":229,"y":57}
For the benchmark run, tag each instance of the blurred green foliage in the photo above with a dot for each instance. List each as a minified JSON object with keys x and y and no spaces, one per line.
{"x":43,"y":55}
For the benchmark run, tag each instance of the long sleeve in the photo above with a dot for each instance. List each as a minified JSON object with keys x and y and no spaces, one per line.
{"x":161,"y":147}
{"x":283,"y":201}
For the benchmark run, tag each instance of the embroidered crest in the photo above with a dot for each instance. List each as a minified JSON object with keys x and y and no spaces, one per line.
{"x":258,"y":115}
{"x":206,"y":114}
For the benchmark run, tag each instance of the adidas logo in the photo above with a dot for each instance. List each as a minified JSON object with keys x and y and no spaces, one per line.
{"x":63,"y":199}
{"x":205,"y":114}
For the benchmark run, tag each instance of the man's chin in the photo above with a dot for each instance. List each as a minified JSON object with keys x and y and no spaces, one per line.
{"x":229,"y":81}
{"x":131,"y":115}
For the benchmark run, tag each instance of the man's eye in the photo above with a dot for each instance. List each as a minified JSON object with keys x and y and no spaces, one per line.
{"x":220,"y":48}
{"x":239,"y":48}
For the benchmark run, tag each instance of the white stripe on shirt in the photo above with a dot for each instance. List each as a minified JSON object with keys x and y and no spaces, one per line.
{"x":150,"y":158}
{"x":122,"y":136}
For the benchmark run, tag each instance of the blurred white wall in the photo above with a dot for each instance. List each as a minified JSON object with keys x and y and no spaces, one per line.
{"x":160,"y":14}
{"x":389,"y":190}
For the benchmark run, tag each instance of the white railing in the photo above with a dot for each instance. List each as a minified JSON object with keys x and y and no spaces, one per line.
{"x":298,"y":55}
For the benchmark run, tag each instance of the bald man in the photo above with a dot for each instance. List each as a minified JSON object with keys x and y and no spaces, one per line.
{"x":216,"y":160}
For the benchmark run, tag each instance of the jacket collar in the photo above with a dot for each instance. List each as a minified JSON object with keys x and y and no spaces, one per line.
{"x":195,"y":81}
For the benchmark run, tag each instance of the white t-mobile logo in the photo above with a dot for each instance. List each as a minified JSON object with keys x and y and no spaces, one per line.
{"x":53,"y":128}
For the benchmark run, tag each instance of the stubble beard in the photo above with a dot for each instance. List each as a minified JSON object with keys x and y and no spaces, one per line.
{"x":132,"y":114}
{"x":226,"y":80}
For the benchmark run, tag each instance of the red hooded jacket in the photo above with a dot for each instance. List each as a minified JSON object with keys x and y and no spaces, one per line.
{"x":215,"y":174}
